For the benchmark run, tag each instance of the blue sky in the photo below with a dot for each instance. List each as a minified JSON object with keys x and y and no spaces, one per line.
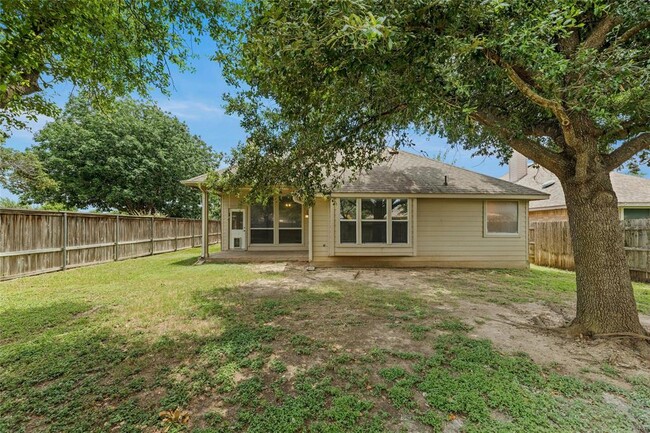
{"x":196,"y":99}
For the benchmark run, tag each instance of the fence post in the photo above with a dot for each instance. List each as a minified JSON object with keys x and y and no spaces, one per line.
{"x":192,"y":233}
{"x":64,"y":247}
{"x":175,"y":234}
{"x":117,"y":237}
{"x":151,"y":227}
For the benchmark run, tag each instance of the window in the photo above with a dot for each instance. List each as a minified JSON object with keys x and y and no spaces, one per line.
{"x":399,"y":220}
{"x":348,"y":221}
{"x":373,"y":221}
{"x":262,"y":223}
{"x":636,"y":213}
{"x":502,"y":217}
{"x":290,"y":221}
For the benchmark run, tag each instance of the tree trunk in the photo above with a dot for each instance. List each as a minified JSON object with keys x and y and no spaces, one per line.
{"x":605,"y":301}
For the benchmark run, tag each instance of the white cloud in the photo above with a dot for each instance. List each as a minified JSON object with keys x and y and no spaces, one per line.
{"x":191,"y":109}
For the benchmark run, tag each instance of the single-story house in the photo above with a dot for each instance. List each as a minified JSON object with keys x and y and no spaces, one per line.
{"x":407,"y":211}
{"x":633,"y":192}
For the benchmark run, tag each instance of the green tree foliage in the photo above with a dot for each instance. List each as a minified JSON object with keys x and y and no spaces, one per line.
{"x":131,"y":159}
{"x":565,"y":82}
{"x":102,"y":47}
{"x":20,"y":171}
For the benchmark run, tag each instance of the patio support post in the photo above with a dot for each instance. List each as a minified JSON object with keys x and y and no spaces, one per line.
{"x":205,"y":217}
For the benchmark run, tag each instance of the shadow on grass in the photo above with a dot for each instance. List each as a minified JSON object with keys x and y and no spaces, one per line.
{"x":21,"y":323}
{"x":186,"y":262}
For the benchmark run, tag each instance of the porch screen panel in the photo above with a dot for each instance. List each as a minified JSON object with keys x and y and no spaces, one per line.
{"x":262,"y":223}
{"x":290,"y":221}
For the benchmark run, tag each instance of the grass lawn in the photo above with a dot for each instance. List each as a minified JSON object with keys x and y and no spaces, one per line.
{"x":108,"y":348}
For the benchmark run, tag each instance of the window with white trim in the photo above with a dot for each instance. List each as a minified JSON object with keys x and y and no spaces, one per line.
{"x":348,"y":221}
{"x":501,"y":217}
{"x":399,"y":221}
{"x":373,"y":221}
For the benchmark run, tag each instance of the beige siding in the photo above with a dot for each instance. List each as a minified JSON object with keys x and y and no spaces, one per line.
{"x":321,"y":228}
{"x":452,"y":231}
{"x":448,"y":232}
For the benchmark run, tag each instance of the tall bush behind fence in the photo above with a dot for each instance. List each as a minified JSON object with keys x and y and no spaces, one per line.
{"x":35,"y":242}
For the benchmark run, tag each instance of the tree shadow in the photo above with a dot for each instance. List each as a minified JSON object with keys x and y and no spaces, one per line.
{"x":22,"y":323}
{"x":191,"y":261}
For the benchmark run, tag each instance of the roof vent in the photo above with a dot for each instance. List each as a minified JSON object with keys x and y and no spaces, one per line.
{"x":446,"y":183}
{"x":393,"y":151}
{"x":548,"y":183}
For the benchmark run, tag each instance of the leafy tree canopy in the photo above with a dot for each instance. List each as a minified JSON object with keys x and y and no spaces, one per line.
{"x":329,"y":84}
{"x":22,"y":170}
{"x":102,"y":47}
{"x":129,"y":159}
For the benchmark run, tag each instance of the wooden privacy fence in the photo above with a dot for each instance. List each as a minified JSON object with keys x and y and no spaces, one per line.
{"x":35,"y":242}
{"x":550,"y":245}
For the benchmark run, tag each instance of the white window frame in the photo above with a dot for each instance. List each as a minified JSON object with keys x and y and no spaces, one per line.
{"x":489,"y":234}
{"x":276,"y":226}
{"x":389,"y":223}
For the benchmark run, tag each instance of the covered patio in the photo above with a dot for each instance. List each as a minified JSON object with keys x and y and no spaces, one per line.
{"x":227,"y":253}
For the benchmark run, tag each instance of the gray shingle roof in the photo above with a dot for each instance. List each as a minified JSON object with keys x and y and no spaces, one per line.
{"x":408,"y":173}
{"x":630,"y":190}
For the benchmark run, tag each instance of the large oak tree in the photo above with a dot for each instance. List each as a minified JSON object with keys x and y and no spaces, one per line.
{"x":327,"y":84}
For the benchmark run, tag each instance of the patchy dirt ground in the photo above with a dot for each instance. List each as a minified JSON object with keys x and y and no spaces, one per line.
{"x":513,"y":327}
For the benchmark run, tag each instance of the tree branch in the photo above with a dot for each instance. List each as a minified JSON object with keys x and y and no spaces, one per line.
{"x":627,"y":150}
{"x":632,"y":32}
{"x":27,"y":87}
{"x":596,"y":38}
{"x":527,"y":147}
{"x":556,"y":107}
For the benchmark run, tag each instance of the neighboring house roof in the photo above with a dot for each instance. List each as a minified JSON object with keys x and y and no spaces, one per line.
{"x":407,"y":173}
{"x":630,"y":190}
